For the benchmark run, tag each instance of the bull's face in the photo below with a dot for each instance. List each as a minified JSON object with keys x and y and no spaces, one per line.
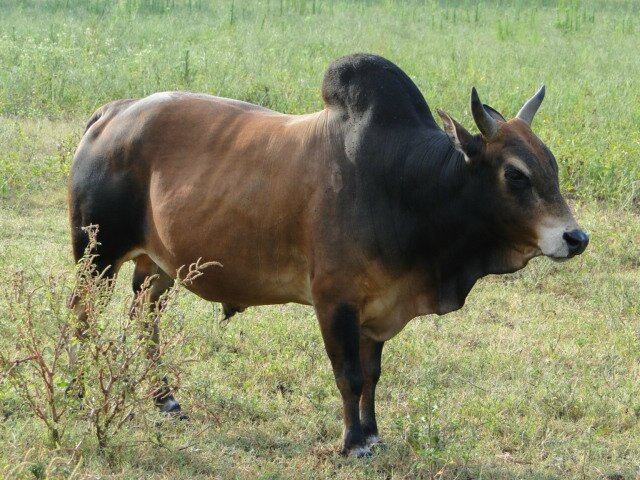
{"x":518,"y":179}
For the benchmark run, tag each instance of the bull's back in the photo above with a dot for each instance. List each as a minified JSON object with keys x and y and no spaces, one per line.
{"x":212,"y":178}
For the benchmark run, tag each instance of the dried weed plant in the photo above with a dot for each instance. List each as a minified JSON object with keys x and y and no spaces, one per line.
{"x":120,"y":367}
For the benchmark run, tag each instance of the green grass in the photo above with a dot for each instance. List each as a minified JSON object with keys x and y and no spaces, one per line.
{"x":62,"y":59}
{"x":536,"y":377}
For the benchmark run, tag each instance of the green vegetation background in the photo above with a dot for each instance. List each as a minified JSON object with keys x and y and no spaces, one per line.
{"x":537,"y":377}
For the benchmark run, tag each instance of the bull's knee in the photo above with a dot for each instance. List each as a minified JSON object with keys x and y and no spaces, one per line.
{"x":351,"y":381}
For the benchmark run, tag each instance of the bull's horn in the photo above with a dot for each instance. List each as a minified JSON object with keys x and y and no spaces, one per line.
{"x":485,"y":122}
{"x":528,"y":111}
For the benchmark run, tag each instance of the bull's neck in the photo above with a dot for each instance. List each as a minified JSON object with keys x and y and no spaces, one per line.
{"x":452,"y":239}
{"x":415,"y":204}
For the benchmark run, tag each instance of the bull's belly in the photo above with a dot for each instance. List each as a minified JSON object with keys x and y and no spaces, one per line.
{"x":251,"y":289}
{"x":235,"y":278}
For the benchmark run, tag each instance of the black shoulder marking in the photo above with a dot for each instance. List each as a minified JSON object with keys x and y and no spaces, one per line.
{"x":365,"y":83}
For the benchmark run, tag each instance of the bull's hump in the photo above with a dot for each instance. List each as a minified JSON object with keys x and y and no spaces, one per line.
{"x":365,"y":84}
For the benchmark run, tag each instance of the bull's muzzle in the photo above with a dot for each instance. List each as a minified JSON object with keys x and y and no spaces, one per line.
{"x":577,"y":242}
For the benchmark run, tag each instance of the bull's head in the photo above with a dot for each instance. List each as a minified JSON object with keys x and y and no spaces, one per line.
{"x":518,"y":176}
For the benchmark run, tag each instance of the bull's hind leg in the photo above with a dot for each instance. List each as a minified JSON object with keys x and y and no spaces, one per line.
{"x":148,"y":294}
{"x":105,"y":269}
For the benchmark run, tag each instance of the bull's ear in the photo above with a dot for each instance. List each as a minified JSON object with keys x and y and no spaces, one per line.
{"x":461,"y":139}
{"x":494,"y":113}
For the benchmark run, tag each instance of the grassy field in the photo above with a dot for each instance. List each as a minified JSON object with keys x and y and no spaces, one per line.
{"x":537,"y":377}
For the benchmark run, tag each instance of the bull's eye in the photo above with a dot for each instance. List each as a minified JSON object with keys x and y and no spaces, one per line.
{"x":516,"y":178}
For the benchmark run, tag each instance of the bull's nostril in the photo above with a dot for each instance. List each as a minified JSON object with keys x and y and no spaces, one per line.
{"x":577,"y":241}
{"x":573,"y":242}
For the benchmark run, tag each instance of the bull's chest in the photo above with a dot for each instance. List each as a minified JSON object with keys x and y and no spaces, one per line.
{"x":390,"y":303}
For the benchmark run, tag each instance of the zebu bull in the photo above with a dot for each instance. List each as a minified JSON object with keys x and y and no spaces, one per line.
{"x":366,"y":210}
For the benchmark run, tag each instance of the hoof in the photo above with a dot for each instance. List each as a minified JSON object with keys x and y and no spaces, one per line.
{"x":359,"y":452}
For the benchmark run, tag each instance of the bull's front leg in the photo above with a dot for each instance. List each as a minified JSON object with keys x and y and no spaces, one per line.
{"x":370,"y":359}
{"x":341,"y":333}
